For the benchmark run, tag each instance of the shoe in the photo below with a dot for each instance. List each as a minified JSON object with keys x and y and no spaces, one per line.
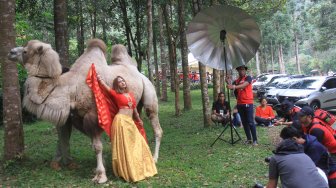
{"x":248,"y":142}
{"x":258,"y":185}
{"x":261,"y":124}
{"x":255,"y":143}
{"x":270,"y":125}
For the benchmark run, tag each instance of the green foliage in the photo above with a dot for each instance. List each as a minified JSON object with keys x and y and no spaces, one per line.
{"x":186,"y":158}
{"x":325,"y":16}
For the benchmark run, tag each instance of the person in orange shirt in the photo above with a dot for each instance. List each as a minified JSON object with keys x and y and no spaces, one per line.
{"x":242,"y":88}
{"x":264,"y":114}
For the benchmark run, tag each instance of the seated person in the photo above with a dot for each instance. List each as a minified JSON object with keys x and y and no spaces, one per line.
{"x":220,"y":109}
{"x":315,"y":150}
{"x":236,"y":118}
{"x":290,"y":115}
{"x":294,"y":167}
{"x":264,"y":113}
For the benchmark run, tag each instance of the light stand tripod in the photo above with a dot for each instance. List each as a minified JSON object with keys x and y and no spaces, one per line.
{"x":230,"y":124}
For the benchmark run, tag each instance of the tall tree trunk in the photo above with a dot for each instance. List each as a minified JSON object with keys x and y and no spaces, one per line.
{"x":104,"y":28}
{"x":156,"y":64}
{"x":297,"y":53}
{"x":281,"y":63}
{"x":171,"y":68}
{"x":216,"y":83}
{"x":203,"y":79}
{"x":222,"y":80}
{"x":61,"y":31}
{"x":262,"y":59}
{"x":184,"y":55}
{"x":80,"y":28}
{"x":172,"y":59}
{"x":257,"y":62}
{"x":139,"y":22}
{"x":216,"y":73}
{"x":163,"y":58}
{"x":12,"y":116}
{"x":272,"y":56}
{"x":266,"y":69}
{"x":150,"y":39}
{"x":93,"y":17}
{"x":122,"y":5}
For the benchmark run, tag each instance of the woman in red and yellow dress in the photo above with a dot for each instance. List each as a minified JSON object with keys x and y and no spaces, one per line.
{"x":131,"y":157}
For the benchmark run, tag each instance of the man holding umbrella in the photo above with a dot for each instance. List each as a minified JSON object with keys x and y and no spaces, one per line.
{"x":242,"y":88}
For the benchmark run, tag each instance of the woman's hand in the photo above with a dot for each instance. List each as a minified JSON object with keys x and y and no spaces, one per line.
{"x":99,"y":78}
{"x":140,"y":122}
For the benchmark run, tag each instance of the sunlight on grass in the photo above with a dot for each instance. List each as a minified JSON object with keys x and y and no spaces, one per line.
{"x":186,"y":158}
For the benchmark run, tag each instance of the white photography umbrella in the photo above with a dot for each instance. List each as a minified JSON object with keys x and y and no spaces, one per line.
{"x":242,"y":37}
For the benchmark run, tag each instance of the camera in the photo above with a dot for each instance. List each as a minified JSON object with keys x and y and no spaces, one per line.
{"x":258,"y":185}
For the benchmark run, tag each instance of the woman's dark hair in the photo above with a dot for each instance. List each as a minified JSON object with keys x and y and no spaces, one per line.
{"x":290,"y":132}
{"x":262,"y":98}
{"x":115,"y":85}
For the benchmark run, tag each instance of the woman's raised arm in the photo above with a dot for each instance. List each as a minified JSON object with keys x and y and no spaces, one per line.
{"x":102,"y":82}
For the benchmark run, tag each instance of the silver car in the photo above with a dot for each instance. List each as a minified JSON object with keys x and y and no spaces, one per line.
{"x":272,"y":93}
{"x":263,"y":80}
{"x":317,"y":92}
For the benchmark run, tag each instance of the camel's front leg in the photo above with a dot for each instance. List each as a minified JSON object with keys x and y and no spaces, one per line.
{"x":100,"y":176}
{"x":62,"y":155}
{"x":154,"y":119}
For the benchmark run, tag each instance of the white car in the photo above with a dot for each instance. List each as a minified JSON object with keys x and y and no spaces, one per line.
{"x":263,"y":80}
{"x":285,"y":83}
{"x":317,"y":92}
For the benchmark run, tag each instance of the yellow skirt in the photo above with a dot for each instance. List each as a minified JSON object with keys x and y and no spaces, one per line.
{"x":131,"y":156}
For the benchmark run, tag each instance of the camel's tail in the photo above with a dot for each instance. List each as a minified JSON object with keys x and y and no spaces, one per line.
{"x":141,"y":101}
{"x":149,"y":97}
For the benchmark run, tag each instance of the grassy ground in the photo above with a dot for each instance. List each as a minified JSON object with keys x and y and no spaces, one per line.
{"x":186,"y":158}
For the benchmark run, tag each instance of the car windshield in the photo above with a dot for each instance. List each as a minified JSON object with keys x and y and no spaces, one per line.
{"x":286,"y":83}
{"x":283,"y":85}
{"x":262,"y":79}
{"x":312,"y":84}
{"x":276,"y":81}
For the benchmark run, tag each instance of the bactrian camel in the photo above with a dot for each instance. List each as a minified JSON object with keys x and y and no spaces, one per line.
{"x":66,"y":100}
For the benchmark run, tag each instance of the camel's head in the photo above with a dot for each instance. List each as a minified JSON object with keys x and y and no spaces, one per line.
{"x":38,"y":58}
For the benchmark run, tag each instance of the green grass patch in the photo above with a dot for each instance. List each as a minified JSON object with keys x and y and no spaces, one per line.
{"x":186,"y":158}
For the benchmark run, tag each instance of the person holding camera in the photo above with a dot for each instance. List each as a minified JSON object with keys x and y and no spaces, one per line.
{"x":220,"y":110}
{"x":315,"y":150}
{"x":294,"y":168}
{"x":290,"y":113}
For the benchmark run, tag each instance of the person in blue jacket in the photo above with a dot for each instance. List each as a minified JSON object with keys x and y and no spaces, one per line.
{"x":315,"y":150}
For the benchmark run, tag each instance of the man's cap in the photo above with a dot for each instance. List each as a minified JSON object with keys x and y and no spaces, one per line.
{"x":306,"y":111}
{"x":242,"y":66}
{"x":286,"y":105}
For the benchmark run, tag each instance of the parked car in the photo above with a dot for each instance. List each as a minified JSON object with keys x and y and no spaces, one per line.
{"x":274,"y":82}
{"x":272,"y":93}
{"x":263,"y":80}
{"x":317,"y":92}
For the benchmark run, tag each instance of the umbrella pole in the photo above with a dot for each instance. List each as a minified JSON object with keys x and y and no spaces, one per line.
{"x":232,"y":127}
